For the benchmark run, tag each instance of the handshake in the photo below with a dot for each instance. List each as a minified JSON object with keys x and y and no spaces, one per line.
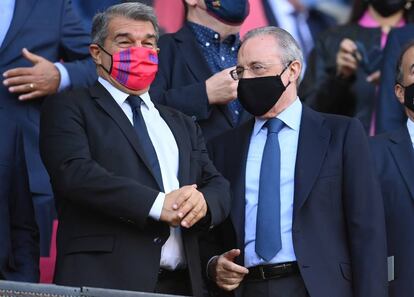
{"x":184,"y":206}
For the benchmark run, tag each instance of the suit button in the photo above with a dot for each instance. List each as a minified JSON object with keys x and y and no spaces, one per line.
{"x":157,"y":240}
{"x":194,"y":118}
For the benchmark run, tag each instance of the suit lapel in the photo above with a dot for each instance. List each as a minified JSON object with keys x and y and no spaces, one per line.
{"x":193,"y":58}
{"x":180,"y":138}
{"x":312,"y":147}
{"x":237,"y":162}
{"x":21,"y":14}
{"x":108,"y":104}
{"x":402,"y":151}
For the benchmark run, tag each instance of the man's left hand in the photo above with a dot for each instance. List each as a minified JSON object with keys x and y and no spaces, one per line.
{"x":192,"y":209}
{"x":41,"y":79}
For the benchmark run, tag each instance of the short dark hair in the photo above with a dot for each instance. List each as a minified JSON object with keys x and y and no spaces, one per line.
{"x":131,"y":10}
{"x":399,"y":69}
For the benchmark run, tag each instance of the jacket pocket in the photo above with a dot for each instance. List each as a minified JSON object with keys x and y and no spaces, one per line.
{"x":89,"y":244}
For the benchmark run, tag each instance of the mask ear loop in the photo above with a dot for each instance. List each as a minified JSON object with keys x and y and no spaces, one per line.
{"x":280,"y":75}
{"x":112,"y":61}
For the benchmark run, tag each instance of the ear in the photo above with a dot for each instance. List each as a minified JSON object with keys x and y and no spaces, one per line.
{"x":399,"y":92}
{"x":96,"y":53}
{"x":295,"y":70}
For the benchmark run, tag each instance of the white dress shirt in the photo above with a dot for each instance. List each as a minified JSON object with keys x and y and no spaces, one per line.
{"x":172,"y":254}
{"x":410,"y":126}
{"x":288,"y":141}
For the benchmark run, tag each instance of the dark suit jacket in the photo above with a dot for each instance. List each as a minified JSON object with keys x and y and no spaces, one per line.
{"x":390,"y":113}
{"x":104,"y":190}
{"x":338,"y":219}
{"x":394,"y":156}
{"x":181,"y":83}
{"x":52,"y":30}
{"x":19,"y":248}
{"x":322,"y":90}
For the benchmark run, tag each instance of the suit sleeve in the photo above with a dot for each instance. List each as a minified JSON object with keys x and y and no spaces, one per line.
{"x":171,"y":88}
{"x":390,"y":113}
{"x":74,"y":48}
{"x":76,"y":176}
{"x":211,"y":183}
{"x":364,"y":213}
{"x":24,"y":231}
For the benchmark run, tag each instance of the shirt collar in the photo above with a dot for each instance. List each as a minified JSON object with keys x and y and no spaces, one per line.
{"x":204,"y":34}
{"x":120,"y":96}
{"x":410,"y":126}
{"x":291,"y":117}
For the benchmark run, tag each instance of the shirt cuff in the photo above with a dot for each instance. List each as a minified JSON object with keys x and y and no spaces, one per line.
{"x":208,"y":265}
{"x":64,"y":76}
{"x":156,"y":208}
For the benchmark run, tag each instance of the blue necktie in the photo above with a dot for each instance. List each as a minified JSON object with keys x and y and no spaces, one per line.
{"x":268,"y":238}
{"x":144,"y":139}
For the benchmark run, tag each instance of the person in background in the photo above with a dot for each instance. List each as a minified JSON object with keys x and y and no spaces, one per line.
{"x":394,"y":156}
{"x":343,"y":70}
{"x":195,"y":63}
{"x":19,"y":236}
{"x":390,"y":113}
{"x":307,"y":217}
{"x":300,"y":18}
{"x":133,"y":183}
{"x":43,"y":50}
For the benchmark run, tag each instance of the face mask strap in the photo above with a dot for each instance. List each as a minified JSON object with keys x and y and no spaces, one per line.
{"x":110,"y":69}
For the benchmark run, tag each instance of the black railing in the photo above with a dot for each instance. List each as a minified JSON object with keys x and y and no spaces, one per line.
{"x":20,"y":289}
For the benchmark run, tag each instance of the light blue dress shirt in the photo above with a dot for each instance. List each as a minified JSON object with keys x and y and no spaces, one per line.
{"x":288,"y":140}
{"x":410,"y":126}
{"x":6,"y":17}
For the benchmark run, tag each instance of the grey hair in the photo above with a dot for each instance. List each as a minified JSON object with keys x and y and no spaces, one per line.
{"x":290,"y":50}
{"x":399,"y":76}
{"x":133,"y":10}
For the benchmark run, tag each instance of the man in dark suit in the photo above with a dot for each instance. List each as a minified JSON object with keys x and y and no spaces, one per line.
{"x":390,"y":114}
{"x":19,"y":249}
{"x":195,"y":63}
{"x":127,"y":173}
{"x":394,"y":156}
{"x":35,"y":36}
{"x":307,"y":217}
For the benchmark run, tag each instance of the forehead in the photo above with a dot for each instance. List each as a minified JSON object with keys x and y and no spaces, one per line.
{"x":260,"y":48}
{"x":408,"y":58}
{"x":119,"y":25}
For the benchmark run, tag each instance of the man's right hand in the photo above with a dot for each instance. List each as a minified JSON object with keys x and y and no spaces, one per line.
{"x":346,"y":58}
{"x":227,"y":274}
{"x":221,"y":87}
{"x":173,"y":201}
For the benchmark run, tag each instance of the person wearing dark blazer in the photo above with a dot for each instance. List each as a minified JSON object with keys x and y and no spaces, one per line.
{"x":394,"y":155}
{"x":390,"y":114}
{"x":19,"y":236}
{"x":195,"y":63}
{"x":304,"y":23}
{"x":307,"y":184}
{"x":133,"y":183}
{"x":43,"y":49}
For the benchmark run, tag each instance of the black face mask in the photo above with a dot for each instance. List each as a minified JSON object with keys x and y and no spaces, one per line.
{"x":387,"y":7}
{"x":409,"y":96}
{"x":259,"y":94}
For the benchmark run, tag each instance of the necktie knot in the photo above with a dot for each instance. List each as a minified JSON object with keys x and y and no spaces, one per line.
{"x":134,"y":102}
{"x":274,"y":125}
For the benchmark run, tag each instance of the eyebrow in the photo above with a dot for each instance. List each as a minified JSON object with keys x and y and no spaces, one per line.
{"x":147,"y":36}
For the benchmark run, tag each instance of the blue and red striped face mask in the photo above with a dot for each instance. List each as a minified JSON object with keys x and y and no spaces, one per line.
{"x":134,"y":68}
